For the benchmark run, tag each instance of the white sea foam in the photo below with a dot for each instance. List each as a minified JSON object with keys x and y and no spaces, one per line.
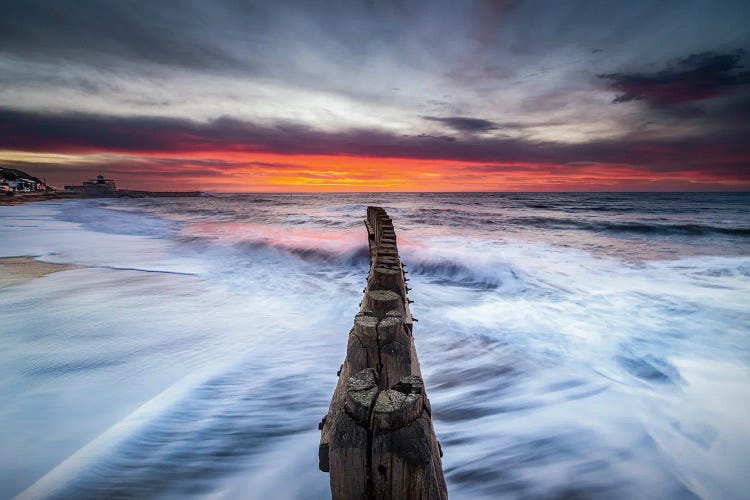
{"x":196,"y":350}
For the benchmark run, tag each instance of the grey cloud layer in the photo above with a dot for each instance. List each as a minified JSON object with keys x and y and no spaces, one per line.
{"x":464,"y":124}
{"x":725,"y":155}
{"x":694,"y":78}
{"x":451,"y":68}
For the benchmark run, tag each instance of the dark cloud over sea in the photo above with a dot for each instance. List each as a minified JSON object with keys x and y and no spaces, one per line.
{"x":694,"y":78}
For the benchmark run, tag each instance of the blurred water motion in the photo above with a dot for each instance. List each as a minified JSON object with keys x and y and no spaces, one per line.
{"x":574,"y":345}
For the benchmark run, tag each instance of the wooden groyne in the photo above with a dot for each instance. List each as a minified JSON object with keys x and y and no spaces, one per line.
{"x":377,"y":440}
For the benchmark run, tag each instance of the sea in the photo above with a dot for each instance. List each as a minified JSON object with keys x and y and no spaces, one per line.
{"x":573,"y":345}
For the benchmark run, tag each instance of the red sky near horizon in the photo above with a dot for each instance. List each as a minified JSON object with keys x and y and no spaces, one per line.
{"x":273,"y":172}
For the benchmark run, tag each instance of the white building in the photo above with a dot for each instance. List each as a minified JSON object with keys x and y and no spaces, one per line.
{"x":22,"y":185}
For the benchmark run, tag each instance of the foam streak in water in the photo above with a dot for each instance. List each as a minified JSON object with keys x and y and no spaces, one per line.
{"x":573,"y":345}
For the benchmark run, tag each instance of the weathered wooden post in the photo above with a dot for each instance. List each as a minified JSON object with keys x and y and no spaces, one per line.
{"x":377,"y":440}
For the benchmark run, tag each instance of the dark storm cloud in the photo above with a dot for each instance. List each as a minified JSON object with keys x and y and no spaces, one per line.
{"x":109,"y":33}
{"x":35,"y":132}
{"x":353,"y":49}
{"x":464,"y":124}
{"x":693,"y":78}
{"x":251,"y":37}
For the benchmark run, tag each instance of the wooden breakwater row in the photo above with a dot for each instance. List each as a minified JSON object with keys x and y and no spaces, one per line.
{"x":377,"y":440}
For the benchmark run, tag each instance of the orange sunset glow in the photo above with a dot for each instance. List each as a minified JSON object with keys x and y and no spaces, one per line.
{"x":227,"y":171}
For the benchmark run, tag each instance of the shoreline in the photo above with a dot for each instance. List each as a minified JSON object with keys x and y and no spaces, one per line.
{"x":15,"y":270}
{"x":20,"y":199}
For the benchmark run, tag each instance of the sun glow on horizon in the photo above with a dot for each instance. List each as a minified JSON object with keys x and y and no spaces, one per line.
{"x":242,"y":171}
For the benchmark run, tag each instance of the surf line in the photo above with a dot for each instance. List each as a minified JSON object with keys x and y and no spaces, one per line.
{"x":377,"y":439}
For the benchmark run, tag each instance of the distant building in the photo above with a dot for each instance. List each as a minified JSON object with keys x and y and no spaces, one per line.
{"x":99,"y":187}
{"x":14,"y":180}
{"x":22,"y":185}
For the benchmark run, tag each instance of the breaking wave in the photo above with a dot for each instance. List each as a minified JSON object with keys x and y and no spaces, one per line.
{"x":641,"y":228}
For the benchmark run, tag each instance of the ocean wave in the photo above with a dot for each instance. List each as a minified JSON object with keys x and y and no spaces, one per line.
{"x":97,"y":216}
{"x":318,"y":221}
{"x":354,"y":257}
{"x":356,"y":209}
{"x":439,"y":269}
{"x":357,"y":256}
{"x":450,"y":272}
{"x":633,"y":227}
{"x":593,"y":224}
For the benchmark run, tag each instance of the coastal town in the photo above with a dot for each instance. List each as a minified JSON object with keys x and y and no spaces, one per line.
{"x":17,"y":186}
{"x":18,"y":181}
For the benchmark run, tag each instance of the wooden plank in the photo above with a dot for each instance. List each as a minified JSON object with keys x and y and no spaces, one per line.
{"x":377,"y":439}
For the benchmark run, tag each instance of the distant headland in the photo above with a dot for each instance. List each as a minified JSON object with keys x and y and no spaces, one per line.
{"x":17,"y":186}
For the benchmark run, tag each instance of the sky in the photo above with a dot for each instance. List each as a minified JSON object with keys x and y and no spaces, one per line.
{"x":241,"y":96}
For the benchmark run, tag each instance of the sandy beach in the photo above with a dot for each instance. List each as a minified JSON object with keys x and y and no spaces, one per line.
{"x":15,"y":270}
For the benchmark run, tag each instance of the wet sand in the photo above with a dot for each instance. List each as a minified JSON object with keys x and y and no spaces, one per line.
{"x":30,"y":197}
{"x":15,"y":270}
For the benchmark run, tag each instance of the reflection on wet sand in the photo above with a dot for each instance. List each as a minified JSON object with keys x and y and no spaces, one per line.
{"x":14,"y":270}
